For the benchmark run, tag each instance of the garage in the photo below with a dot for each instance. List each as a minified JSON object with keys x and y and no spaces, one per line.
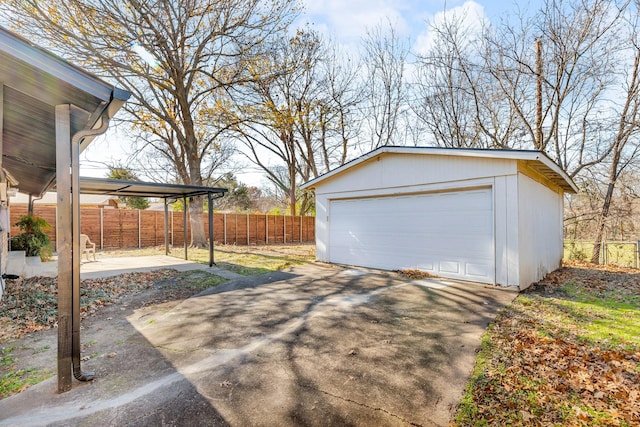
{"x":489,"y":216}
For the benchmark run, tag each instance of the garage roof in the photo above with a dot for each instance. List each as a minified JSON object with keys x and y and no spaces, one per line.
{"x":536,"y":160}
{"x":124,"y":188}
{"x":33,"y":82}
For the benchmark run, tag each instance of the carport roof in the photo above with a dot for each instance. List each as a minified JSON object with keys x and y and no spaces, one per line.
{"x":124,"y":188}
{"x":536,"y":160}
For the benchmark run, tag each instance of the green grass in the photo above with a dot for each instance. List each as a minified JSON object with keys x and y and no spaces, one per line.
{"x":14,"y":380}
{"x":467,"y":408}
{"x":41,"y":349}
{"x":249,"y":264}
{"x":606,"y":317}
{"x":198,"y":280}
{"x":244,"y":260}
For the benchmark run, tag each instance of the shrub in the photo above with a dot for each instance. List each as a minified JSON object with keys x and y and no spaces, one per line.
{"x":32,"y":240}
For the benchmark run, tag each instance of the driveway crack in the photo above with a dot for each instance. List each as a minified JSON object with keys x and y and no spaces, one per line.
{"x":364,"y":405}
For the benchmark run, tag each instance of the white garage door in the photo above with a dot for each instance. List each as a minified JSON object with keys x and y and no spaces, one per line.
{"x":447,"y":234}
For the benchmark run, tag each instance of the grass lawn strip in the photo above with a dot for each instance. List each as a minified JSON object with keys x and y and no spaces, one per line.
{"x":567,"y":352}
{"x":14,"y":380}
{"x":254,"y":260}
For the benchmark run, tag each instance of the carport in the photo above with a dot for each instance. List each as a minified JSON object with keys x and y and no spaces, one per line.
{"x":167,"y":192}
{"x":50,"y":111}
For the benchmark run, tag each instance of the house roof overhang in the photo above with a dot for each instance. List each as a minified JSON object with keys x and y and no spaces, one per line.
{"x":536,"y":160}
{"x":32,"y":82}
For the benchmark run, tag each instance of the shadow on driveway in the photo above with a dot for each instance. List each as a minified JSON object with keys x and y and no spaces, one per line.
{"x":319,"y":345}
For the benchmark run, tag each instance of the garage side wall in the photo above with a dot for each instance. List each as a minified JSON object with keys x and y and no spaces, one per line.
{"x":540,"y":230}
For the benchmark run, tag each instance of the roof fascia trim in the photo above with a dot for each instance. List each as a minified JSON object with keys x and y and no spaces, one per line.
{"x":41,"y":59}
{"x":530,"y":155}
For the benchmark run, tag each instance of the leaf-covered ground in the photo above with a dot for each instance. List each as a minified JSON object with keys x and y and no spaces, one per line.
{"x":565,"y":352}
{"x":31,"y":304}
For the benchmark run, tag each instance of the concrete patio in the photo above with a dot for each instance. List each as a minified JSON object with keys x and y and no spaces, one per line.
{"x":106,"y":266}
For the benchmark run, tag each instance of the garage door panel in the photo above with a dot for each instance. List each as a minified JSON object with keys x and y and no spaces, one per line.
{"x":478,"y":270}
{"x":449,"y":234}
{"x":450,"y":267}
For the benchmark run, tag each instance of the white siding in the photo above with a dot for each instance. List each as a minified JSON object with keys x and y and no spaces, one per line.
{"x":506,"y":230}
{"x":540,"y":230}
{"x":395,"y":172}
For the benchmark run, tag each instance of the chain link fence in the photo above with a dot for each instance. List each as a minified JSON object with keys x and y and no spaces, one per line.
{"x":623,"y":254}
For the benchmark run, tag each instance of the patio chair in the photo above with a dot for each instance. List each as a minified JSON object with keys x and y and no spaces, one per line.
{"x":87,"y":247}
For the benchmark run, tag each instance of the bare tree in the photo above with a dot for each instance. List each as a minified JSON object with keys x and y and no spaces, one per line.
{"x":625,"y":147}
{"x":276,"y":112}
{"x":299,"y":120}
{"x":447,"y":100}
{"x":178,"y":58}
{"x":385,"y":56}
{"x":338,"y":114}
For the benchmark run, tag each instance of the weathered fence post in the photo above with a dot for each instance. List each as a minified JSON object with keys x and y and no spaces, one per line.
{"x":101,"y":228}
{"x":139,"y":229}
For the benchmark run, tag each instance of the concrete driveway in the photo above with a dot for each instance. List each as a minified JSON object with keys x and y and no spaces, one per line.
{"x":317,"y":345}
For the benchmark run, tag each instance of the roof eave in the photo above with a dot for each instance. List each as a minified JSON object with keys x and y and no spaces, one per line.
{"x":52,"y":64}
{"x":528,"y":155}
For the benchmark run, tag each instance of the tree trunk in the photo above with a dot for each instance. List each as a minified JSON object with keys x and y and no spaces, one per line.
{"x":292,"y":196}
{"x":602,"y":219}
{"x":198,"y":235}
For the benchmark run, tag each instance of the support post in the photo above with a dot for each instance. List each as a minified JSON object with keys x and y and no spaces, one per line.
{"x":185,"y":227}
{"x":76,"y":253}
{"x":166,"y":227}
{"x":101,"y":228}
{"x":65,"y":237}
{"x":211,"y":260}
{"x":139,"y":229}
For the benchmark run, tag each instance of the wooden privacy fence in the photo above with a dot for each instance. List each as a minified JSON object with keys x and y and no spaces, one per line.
{"x":124,"y":228}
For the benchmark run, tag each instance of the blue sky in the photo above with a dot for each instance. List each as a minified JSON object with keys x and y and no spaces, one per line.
{"x":347,"y":20}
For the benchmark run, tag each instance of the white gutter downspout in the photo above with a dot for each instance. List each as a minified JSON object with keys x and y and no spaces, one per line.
{"x":73,"y":235}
